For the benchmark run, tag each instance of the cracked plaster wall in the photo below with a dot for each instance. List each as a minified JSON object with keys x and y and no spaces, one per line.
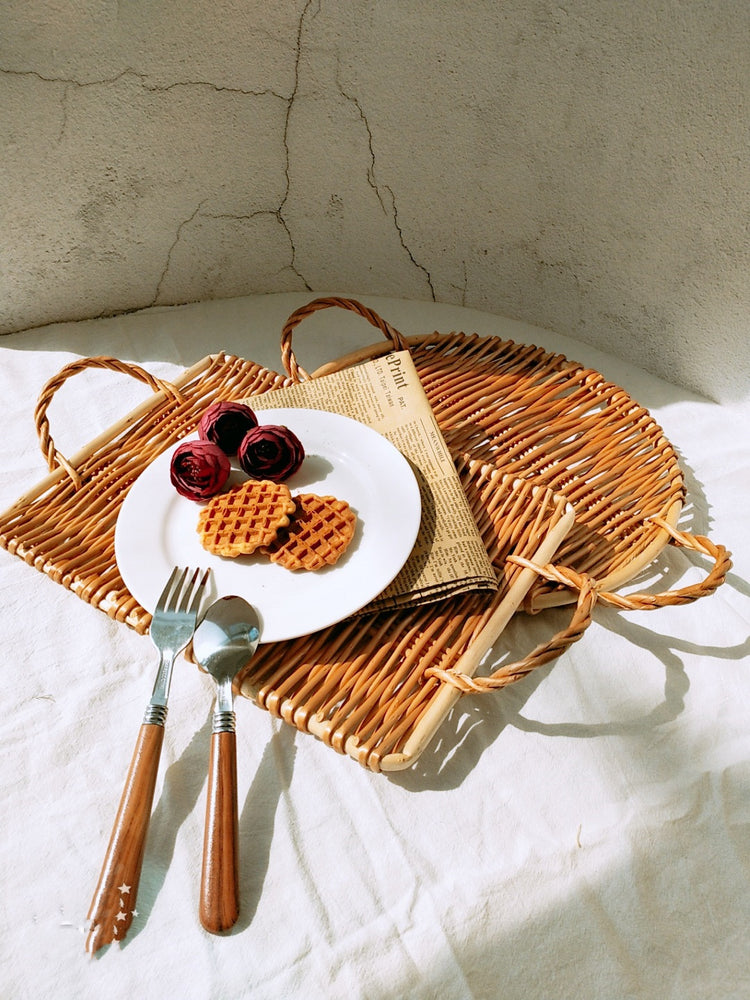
{"x":582,"y":167}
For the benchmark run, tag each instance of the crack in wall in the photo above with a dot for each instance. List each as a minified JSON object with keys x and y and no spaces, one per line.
{"x":278,"y":212}
{"x":143,"y":79}
{"x":310,"y":9}
{"x":411,"y":256}
{"x":293,"y":263}
{"x":170,"y":251}
{"x":371,"y":180}
{"x":145,"y":82}
{"x":234,"y":217}
{"x":274,"y":213}
{"x":363,"y":118}
{"x":285,"y":139}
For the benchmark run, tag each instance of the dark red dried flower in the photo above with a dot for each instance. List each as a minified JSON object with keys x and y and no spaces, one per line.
{"x":226,"y":423}
{"x":270,"y":451}
{"x":198,"y":469}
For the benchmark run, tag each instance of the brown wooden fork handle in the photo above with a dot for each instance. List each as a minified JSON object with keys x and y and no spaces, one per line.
{"x":113,"y":905}
{"x":219,"y":899}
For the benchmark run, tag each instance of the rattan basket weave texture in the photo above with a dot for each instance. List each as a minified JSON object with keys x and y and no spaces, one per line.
{"x":534,"y":436}
{"x":535,"y":414}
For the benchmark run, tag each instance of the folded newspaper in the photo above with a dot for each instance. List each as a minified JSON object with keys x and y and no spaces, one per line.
{"x":387,"y":395}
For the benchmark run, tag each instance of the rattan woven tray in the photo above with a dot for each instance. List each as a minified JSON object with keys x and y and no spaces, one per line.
{"x":558,"y":464}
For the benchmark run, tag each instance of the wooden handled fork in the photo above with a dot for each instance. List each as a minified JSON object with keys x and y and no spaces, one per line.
{"x":113,"y":906}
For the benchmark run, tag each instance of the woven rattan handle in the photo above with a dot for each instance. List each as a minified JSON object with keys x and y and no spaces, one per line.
{"x":466,"y":683}
{"x":50,"y":452}
{"x":722,"y":563}
{"x":295,"y":371}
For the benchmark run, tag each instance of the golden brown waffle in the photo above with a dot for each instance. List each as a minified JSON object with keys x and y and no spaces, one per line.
{"x":317,"y":536}
{"x":245,"y":518}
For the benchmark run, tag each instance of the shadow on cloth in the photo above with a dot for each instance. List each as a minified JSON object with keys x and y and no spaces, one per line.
{"x":184,"y":781}
{"x":258,"y":816}
{"x":477,"y":721}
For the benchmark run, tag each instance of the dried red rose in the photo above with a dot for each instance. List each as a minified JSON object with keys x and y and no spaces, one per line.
{"x":226,"y":423}
{"x":270,"y":451}
{"x":198,"y":469}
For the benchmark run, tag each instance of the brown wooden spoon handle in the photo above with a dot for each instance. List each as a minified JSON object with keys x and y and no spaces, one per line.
{"x":219,"y":899}
{"x":113,"y":905}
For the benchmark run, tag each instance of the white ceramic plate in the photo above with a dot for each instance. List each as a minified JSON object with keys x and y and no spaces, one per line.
{"x":156,"y":529}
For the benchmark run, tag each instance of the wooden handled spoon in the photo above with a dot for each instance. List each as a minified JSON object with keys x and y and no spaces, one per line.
{"x":224,"y":641}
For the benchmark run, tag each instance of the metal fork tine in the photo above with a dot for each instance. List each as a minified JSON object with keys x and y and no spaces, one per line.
{"x":186,"y":606}
{"x":162,"y":602}
{"x":172,"y":605}
{"x":185,"y":592}
{"x":195,"y":604}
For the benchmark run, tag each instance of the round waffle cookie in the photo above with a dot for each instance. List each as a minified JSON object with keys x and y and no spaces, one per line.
{"x":245,"y":518}
{"x":317,"y":535}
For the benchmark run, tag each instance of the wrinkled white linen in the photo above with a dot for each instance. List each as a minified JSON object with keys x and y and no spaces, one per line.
{"x":585,"y":833}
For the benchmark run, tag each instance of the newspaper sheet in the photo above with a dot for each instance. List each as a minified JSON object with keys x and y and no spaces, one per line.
{"x":386,"y":394}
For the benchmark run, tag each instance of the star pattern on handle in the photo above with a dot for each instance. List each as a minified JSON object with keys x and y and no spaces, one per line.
{"x":121,"y":919}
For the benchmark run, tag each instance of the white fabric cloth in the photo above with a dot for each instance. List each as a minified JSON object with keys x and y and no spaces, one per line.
{"x":585,"y":833}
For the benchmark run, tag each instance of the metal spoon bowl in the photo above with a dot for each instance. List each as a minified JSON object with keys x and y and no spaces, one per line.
{"x":224,"y":641}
